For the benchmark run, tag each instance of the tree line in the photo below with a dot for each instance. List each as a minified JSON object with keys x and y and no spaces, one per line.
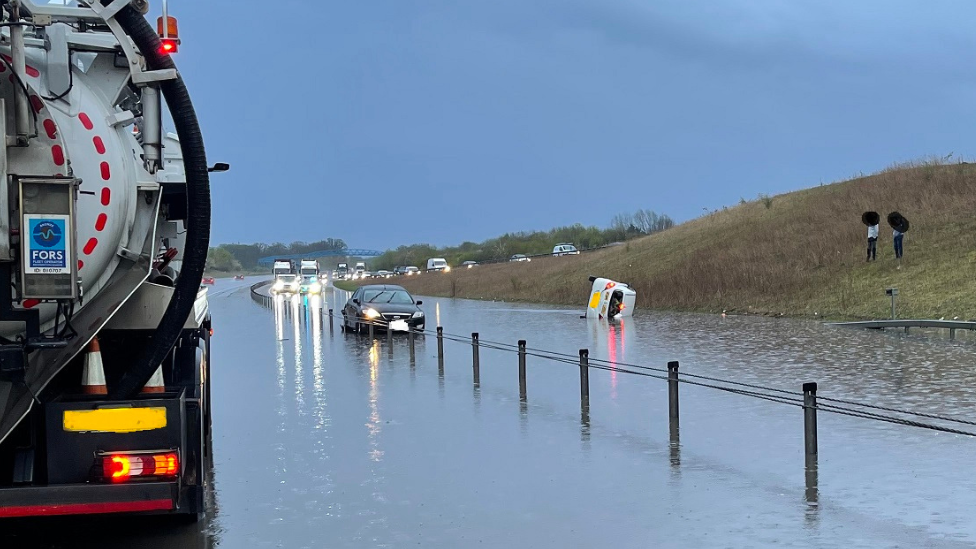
{"x":622,"y":227}
{"x":244,"y":257}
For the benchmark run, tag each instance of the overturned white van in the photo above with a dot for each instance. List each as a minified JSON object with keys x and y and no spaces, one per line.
{"x":610,"y":299}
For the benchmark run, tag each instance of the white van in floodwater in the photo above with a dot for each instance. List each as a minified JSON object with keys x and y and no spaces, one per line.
{"x":438,"y":264}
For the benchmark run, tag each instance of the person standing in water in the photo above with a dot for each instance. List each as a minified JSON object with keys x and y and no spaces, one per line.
{"x":898,"y":238}
{"x":873,"y":242}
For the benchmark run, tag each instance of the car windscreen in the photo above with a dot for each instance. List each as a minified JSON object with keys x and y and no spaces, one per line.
{"x":387,"y":296}
{"x":288,"y":278}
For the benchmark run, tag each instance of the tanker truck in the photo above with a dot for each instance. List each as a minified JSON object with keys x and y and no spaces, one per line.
{"x":104,"y":230}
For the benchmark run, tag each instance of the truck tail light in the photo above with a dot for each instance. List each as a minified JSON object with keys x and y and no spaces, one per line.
{"x":125,"y":467}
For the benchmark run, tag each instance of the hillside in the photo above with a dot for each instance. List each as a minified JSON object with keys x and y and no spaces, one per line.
{"x":800,"y":254}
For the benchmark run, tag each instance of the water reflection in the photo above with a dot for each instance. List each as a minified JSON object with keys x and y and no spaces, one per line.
{"x":374,"y":424}
{"x":812,"y":492}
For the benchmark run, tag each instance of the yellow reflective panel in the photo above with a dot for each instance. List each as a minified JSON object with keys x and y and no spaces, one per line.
{"x":115,"y":420}
{"x":595,"y":300}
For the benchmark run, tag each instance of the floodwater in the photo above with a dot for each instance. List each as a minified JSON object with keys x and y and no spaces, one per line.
{"x":329,"y":440}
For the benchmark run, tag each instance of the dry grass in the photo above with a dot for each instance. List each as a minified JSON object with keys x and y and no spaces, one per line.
{"x":799,"y":254}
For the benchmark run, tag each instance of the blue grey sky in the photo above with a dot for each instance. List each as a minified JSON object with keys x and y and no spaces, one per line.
{"x":388,"y":122}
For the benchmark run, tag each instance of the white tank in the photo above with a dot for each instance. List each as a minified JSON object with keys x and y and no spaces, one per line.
{"x":75,"y":137}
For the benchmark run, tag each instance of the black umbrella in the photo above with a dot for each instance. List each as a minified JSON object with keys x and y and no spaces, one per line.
{"x":898,"y":222}
{"x":870,"y":218}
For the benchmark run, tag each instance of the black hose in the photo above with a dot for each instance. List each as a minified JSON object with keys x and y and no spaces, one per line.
{"x":198,"y":206}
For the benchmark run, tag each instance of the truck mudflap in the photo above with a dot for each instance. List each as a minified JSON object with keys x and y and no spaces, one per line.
{"x":88,"y":499}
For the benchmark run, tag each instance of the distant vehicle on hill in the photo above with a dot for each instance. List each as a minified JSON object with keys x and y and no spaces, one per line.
{"x":564,"y":249}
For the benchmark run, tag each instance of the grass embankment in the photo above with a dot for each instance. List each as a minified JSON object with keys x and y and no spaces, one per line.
{"x":798,"y":254}
{"x":347,"y":285}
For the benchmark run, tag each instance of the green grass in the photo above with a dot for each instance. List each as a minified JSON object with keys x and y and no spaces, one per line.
{"x":347,"y":285}
{"x":796,"y":254}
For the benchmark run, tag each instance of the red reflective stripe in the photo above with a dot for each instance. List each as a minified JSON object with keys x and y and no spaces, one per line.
{"x":99,"y":146}
{"x":86,"y":508}
{"x":57,"y":154}
{"x":106,"y":173}
{"x":85,"y":121}
{"x":50,"y":128}
{"x":90,"y":245}
{"x":106,"y":196}
{"x":36,"y":103}
{"x":100,"y":222}
{"x":28,"y":303}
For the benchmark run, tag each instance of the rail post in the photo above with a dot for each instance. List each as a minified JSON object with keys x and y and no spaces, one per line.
{"x":673,"y":394}
{"x":371,"y":331}
{"x":330,"y":320}
{"x":584,"y":362}
{"x":521,"y":353}
{"x":475,"y":359}
{"x":389,"y":338}
{"x":810,"y":418}
{"x":413,"y":349}
{"x":440,"y":348}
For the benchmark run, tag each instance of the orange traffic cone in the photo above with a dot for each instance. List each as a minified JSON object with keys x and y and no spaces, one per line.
{"x":155,"y":383}
{"x":93,"y":376}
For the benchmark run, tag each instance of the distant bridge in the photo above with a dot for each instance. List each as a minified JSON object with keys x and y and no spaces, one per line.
{"x":348,"y":252}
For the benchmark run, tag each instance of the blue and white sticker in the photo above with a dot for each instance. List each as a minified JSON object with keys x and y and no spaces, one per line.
{"x":48,"y":248}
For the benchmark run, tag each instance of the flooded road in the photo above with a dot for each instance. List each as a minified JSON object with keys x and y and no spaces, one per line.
{"x":328,"y":440}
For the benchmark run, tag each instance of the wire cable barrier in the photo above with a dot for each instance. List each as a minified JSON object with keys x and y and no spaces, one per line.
{"x":772,"y":394}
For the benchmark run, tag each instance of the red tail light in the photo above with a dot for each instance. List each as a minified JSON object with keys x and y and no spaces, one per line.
{"x":126,"y":467}
{"x":169,"y":46}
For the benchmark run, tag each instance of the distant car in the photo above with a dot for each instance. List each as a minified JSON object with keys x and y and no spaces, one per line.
{"x":208,"y":280}
{"x":564,"y":249}
{"x":383,"y":274}
{"x":438,"y":264}
{"x":519,"y":257}
{"x":310,"y":285}
{"x":286,"y":284}
{"x":469,"y":264}
{"x":238,"y":277}
{"x":385,"y":305}
{"x":411,"y":270}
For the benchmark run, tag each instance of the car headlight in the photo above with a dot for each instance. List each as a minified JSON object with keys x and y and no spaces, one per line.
{"x":278,"y":285}
{"x":371,"y":313}
{"x":418,"y":314}
{"x":315,"y":287}
{"x":447,"y":269}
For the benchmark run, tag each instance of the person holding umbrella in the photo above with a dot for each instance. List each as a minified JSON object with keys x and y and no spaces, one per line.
{"x":871,"y":219}
{"x":899,"y":226}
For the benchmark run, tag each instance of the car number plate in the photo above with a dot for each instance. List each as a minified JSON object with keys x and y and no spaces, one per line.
{"x":399,"y":325}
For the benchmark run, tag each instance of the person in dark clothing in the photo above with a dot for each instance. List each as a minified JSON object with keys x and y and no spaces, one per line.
{"x":873,"y":242}
{"x":899,"y":237}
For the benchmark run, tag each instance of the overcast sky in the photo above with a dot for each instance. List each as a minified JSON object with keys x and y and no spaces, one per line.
{"x":388,"y":122}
